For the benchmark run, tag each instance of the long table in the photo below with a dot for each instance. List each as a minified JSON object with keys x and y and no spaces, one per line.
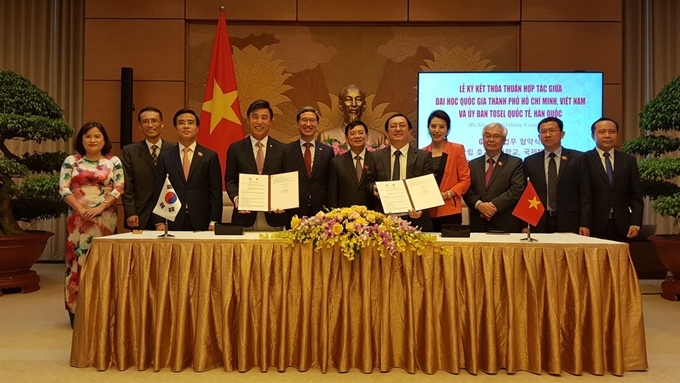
{"x":565,"y":303}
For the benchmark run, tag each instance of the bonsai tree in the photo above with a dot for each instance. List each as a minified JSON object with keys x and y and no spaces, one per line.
{"x":661,"y":114}
{"x":29,"y":183}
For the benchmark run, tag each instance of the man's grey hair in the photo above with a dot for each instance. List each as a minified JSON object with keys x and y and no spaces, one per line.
{"x":306,"y":109}
{"x":492,"y":125}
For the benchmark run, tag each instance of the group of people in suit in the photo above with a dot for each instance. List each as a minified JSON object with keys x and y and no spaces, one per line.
{"x":592,"y":193}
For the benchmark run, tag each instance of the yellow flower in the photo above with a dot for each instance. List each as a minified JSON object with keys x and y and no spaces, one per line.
{"x":349,"y":226}
{"x":361,"y":221}
{"x":337,"y":228}
{"x":360,"y":209}
{"x":294,"y":222}
{"x":370,"y":217}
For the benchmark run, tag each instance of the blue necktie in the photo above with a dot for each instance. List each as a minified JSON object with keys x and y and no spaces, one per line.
{"x":608,"y":167}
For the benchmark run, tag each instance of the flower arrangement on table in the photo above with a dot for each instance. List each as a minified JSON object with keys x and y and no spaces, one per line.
{"x":354,"y":228}
{"x":342,"y":147}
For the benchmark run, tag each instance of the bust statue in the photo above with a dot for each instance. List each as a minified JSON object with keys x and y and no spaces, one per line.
{"x":352,"y":104}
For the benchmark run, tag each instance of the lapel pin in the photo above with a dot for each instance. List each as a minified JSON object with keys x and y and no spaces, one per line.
{"x":564,"y":158}
{"x":366,"y":167}
{"x":500,"y":163}
{"x":200,"y":154}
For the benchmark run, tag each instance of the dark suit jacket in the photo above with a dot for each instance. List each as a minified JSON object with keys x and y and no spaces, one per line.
{"x":140,"y":173}
{"x":419,"y":163}
{"x":241,"y":159}
{"x":313,"y":190}
{"x":574,"y":200}
{"x":623,"y":195}
{"x":201,"y":192}
{"x":344,"y":189}
{"x":505,"y":187}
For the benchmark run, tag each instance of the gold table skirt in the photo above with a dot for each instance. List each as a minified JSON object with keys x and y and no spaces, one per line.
{"x":249,"y":304}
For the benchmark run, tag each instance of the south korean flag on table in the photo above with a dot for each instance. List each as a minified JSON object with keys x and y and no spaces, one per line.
{"x":168,"y":204}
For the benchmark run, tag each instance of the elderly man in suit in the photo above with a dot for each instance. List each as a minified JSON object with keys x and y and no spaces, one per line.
{"x":312,"y":160}
{"x":348,"y":173}
{"x":401,"y":161}
{"x":258,"y":153}
{"x":615,"y":185}
{"x":194,"y":172}
{"x":497,"y":182}
{"x":139,"y":165}
{"x":561,"y":179}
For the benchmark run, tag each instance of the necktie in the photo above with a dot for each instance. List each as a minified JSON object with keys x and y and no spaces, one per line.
{"x":396,"y":173}
{"x":358,"y":167}
{"x":308,"y":158}
{"x":552,"y":182}
{"x":186,"y":164}
{"x":154,"y":155}
{"x":259,"y":158}
{"x":608,"y":167}
{"x":489,"y":171}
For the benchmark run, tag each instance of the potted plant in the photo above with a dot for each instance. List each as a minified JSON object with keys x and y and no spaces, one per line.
{"x":29,"y":183}
{"x":662,"y":114}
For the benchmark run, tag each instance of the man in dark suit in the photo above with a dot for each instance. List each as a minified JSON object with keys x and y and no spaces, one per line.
{"x":194,"y":172}
{"x":139,"y":165}
{"x":401,"y":161}
{"x":615,"y":185}
{"x":348,"y":174}
{"x":256,"y":154}
{"x":560,"y":177}
{"x":497,"y":182}
{"x":312,"y":160}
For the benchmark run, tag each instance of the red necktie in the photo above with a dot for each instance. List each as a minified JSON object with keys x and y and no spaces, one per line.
{"x":489,"y":171}
{"x":308,"y":158}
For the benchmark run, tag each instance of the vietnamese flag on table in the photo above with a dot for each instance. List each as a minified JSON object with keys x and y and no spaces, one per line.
{"x":221,"y":115}
{"x":529,"y":207}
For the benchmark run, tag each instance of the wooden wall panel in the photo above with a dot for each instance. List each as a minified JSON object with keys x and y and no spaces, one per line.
{"x":573,"y":46}
{"x":266,"y":10}
{"x":613,"y":106}
{"x":572,"y":10}
{"x":464,"y":10}
{"x":353,"y":10}
{"x":103,"y":104}
{"x":155,"y":49}
{"x":134,"y":9}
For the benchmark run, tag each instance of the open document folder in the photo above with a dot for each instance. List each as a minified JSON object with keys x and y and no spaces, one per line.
{"x":418,"y":193}
{"x":261,"y":192}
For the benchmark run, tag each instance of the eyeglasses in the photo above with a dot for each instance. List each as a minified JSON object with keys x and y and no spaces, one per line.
{"x":152,"y":121}
{"x":549,"y":131}
{"x":360,"y":133}
{"x":309,"y":120}
{"x":189,"y":123}
{"x":398,"y":126}
{"x":494,"y":136}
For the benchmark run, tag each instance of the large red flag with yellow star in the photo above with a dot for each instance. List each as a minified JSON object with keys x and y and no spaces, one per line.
{"x":529,"y":207}
{"x":221,"y":115}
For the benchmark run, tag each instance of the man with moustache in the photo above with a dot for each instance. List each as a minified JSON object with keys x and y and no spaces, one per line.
{"x":194,"y":172}
{"x":497,"y":183}
{"x":615,"y":185}
{"x":401,"y":161}
{"x":311,"y":159}
{"x":258,"y":153}
{"x":139,"y":165}
{"x":562,"y":182}
{"x":349,"y":172}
